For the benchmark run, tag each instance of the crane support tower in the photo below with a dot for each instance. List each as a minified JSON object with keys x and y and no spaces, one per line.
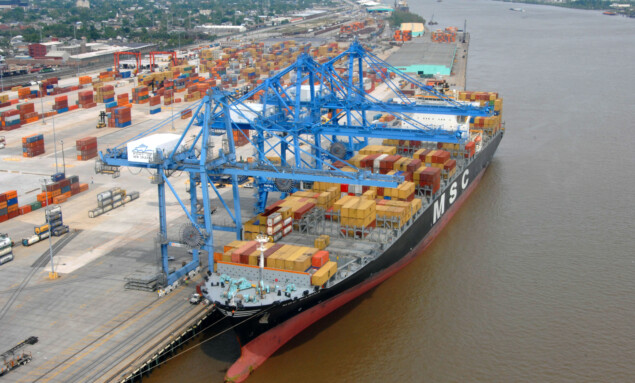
{"x":137,"y":56}
{"x":309,"y":115}
{"x":153,"y":58}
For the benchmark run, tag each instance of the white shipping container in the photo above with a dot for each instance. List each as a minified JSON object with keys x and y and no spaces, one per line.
{"x":377,"y":162}
{"x":143,"y":149}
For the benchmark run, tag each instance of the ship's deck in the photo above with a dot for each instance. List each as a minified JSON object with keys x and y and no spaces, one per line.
{"x":350,"y":252}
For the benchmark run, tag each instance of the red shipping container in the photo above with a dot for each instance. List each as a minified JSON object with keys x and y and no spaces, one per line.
{"x":272,"y":249}
{"x":449,"y":165}
{"x":413,"y":165}
{"x":320,"y":258}
{"x":303,"y":210}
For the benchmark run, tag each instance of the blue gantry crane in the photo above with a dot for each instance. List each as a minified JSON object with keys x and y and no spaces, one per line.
{"x":320,"y":118}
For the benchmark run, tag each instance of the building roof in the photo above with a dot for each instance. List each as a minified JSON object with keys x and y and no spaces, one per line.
{"x":102,"y":52}
{"x":380,"y":8}
{"x":311,"y":12}
{"x":52,"y":43}
{"x":61,"y":54}
{"x":414,"y":27}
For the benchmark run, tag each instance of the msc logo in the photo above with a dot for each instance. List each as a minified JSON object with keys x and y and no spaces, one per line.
{"x":439,"y":205}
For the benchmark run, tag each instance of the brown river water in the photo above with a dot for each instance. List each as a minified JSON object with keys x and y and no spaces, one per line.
{"x":533,"y":280}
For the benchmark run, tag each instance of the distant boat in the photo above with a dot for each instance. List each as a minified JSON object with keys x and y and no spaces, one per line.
{"x":517,"y":9}
{"x":609,"y":13}
{"x":432,"y":22}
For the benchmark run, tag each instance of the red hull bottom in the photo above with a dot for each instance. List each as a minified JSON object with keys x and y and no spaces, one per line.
{"x":256,"y":352}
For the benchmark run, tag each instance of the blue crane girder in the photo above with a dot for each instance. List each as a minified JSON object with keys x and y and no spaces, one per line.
{"x":289,"y":125}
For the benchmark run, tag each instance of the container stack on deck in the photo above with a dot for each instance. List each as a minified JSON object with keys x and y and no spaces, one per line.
{"x":86,"y":148}
{"x":32,"y":145}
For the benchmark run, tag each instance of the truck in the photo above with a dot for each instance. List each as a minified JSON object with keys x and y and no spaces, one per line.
{"x":14,"y":357}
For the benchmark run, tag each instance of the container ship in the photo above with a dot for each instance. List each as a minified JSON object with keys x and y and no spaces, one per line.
{"x":323,"y":246}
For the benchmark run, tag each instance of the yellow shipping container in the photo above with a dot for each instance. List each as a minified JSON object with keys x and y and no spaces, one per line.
{"x":370,"y":194}
{"x":325,"y":272}
{"x":289,"y":261}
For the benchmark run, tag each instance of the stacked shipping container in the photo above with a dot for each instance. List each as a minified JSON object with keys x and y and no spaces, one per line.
{"x":11,"y":119}
{"x":86,"y":148}
{"x":85,"y":99}
{"x":105,"y":93}
{"x":32,"y":145}
{"x":60,"y":191}
{"x":155,"y":104}
{"x":9,"y":205}
{"x":140,"y":95}
{"x":61,"y":104}
{"x":123,"y":116}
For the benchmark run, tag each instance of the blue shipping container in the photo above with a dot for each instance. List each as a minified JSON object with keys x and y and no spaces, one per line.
{"x":57,"y":177}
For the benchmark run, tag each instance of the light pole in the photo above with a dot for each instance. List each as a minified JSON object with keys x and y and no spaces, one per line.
{"x":46,"y":214}
{"x":39,"y":81}
{"x":79,"y":23}
{"x":63,"y":157}
{"x":55,"y":145}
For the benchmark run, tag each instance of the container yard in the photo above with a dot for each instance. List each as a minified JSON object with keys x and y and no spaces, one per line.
{"x":110,"y":301}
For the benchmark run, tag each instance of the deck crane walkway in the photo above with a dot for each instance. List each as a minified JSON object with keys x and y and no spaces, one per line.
{"x":286,"y":121}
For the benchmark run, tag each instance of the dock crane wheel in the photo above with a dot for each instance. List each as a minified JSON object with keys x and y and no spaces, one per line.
{"x":191,"y":237}
{"x":284,"y":185}
{"x":338,"y":150}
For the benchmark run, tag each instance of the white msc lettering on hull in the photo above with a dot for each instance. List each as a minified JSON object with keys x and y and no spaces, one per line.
{"x":464,"y":179}
{"x":452,"y":193}
{"x":439,"y":204}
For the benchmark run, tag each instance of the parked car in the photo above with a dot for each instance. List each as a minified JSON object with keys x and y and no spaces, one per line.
{"x":195,"y":299}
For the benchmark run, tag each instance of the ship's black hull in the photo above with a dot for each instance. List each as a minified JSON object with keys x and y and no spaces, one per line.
{"x":283,"y":321}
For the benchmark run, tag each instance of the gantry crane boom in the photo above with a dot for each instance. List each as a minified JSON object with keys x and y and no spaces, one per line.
{"x":287,"y":121}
